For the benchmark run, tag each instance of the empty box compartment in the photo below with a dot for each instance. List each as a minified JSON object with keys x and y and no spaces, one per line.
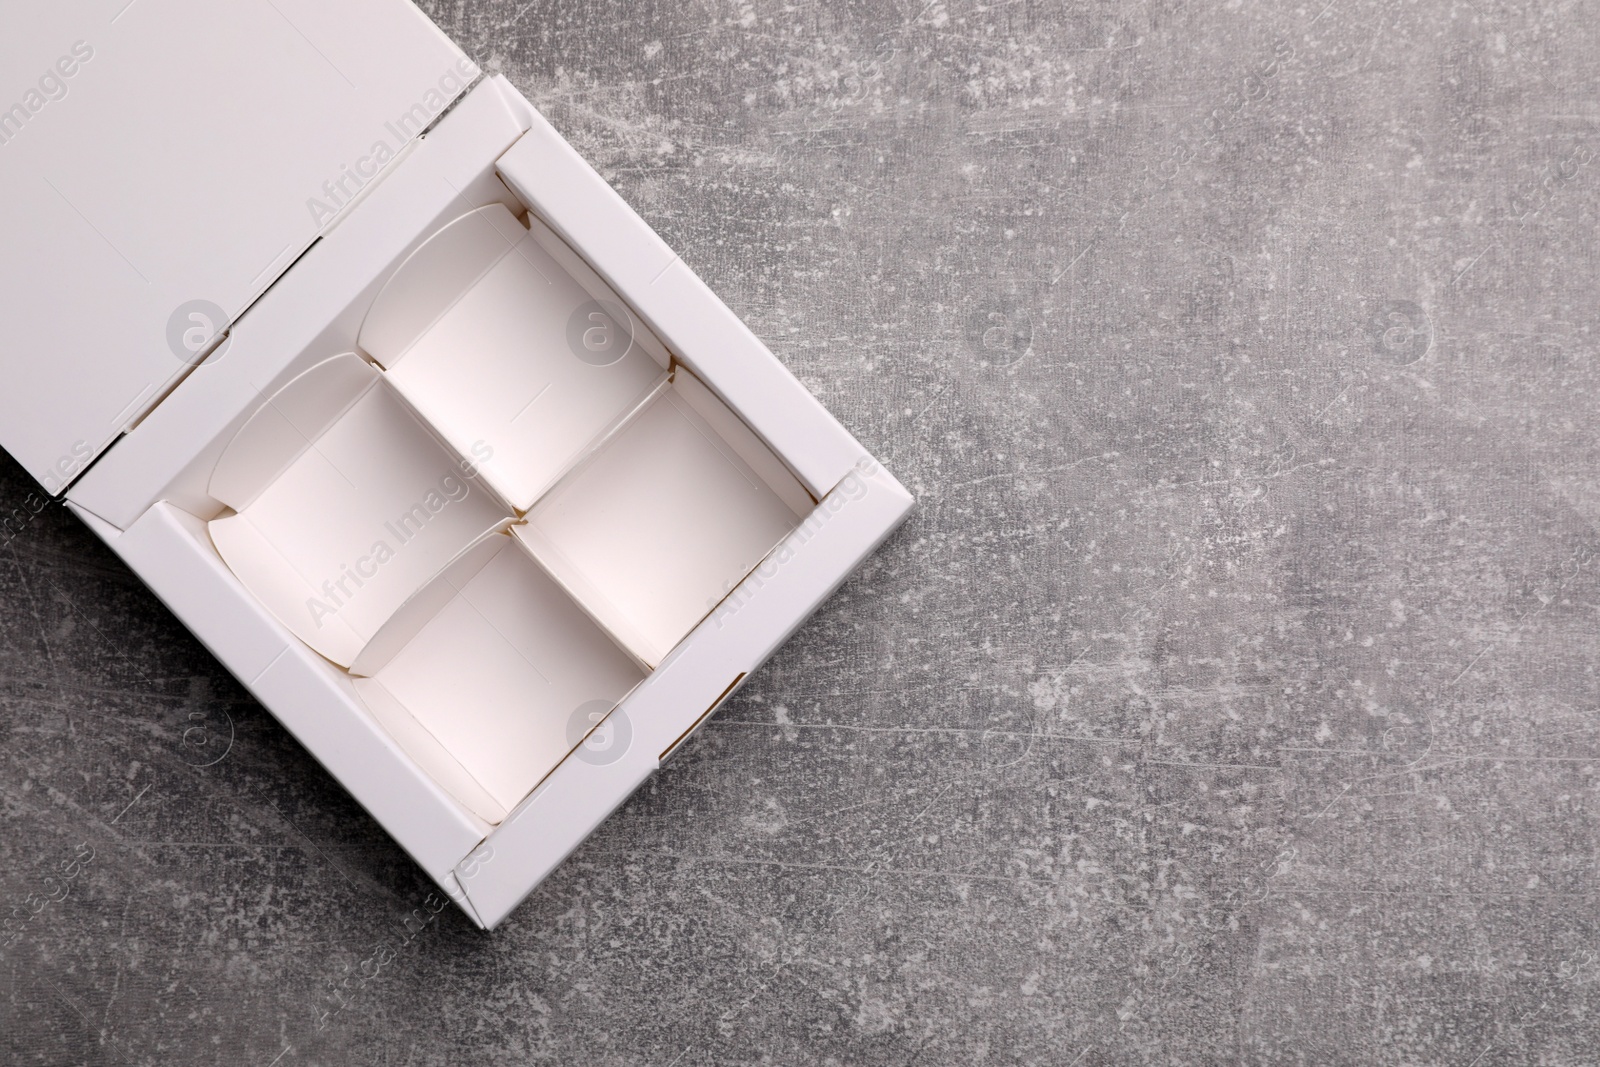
{"x":491,"y":675}
{"x":665,"y":519}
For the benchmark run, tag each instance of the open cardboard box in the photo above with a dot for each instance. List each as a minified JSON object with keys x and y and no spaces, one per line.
{"x":464,"y":473}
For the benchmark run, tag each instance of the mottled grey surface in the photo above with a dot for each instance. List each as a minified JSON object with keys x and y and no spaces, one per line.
{"x":1230,"y":698}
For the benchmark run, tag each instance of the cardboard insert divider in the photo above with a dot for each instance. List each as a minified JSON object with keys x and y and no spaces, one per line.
{"x":503,"y":512}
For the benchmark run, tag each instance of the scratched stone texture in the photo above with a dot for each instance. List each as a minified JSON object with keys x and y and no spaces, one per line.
{"x":1229,"y":698}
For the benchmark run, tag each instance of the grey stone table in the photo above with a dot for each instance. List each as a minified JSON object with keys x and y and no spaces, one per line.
{"x":1230,"y":698}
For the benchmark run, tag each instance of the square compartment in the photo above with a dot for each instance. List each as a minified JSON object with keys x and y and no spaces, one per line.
{"x":498,"y":674}
{"x":663,"y":521}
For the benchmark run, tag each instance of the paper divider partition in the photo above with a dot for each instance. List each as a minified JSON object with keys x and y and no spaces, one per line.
{"x":285,"y":426}
{"x":289,"y":430}
{"x":410,"y":617}
{"x":512,"y":349}
{"x":355,"y":505}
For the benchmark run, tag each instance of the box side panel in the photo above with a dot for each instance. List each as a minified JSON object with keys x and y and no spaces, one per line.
{"x":550,"y":177}
{"x":167,"y":548}
{"x":863,"y":509}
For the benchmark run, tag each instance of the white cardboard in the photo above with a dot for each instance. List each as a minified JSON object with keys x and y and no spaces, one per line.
{"x":315,"y":311}
{"x":165,"y":152}
{"x":447,"y":783}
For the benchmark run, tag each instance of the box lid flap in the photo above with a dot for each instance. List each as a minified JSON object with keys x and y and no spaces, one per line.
{"x":162,"y":162}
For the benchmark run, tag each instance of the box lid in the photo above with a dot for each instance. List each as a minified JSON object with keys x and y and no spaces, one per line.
{"x":162,"y":162}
